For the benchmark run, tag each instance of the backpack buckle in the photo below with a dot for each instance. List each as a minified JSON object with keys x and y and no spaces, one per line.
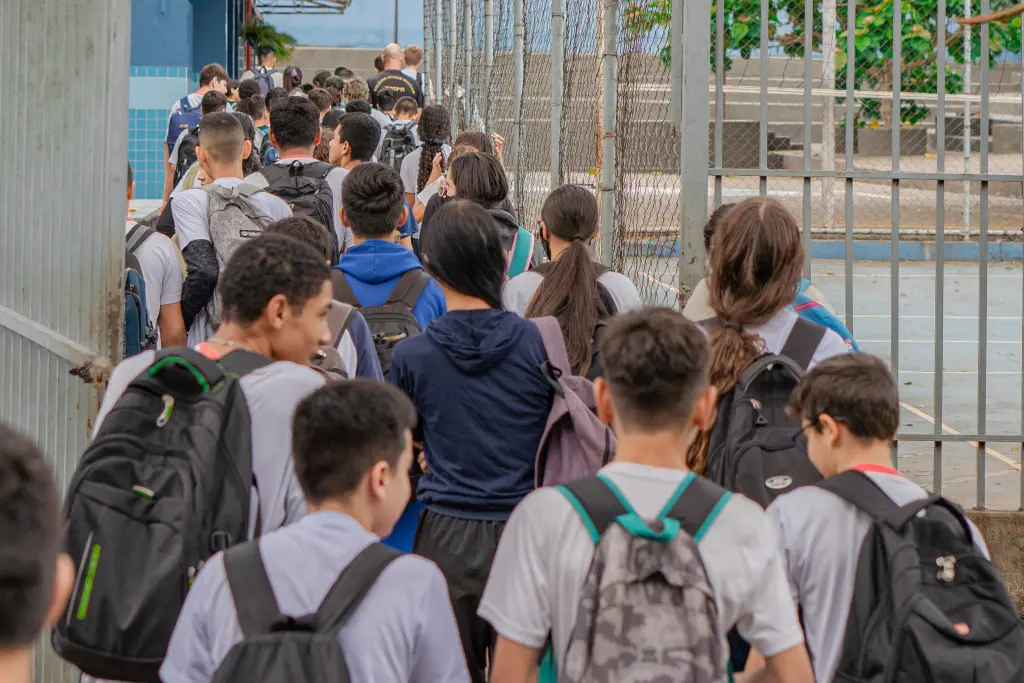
{"x":220,"y":540}
{"x":947,"y":568}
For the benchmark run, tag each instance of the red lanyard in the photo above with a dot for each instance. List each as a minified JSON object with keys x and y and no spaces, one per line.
{"x":878,"y":469}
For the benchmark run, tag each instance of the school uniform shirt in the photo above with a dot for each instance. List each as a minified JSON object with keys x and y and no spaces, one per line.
{"x":422,"y":80}
{"x":334,"y":180}
{"x":393,"y":79}
{"x":403,"y":632}
{"x":192,"y":225}
{"x":820,"y":536}
{"x":411,"y":168}
{"x":545,"y":552}
{"x":776,"y":331}
{"x":272,"y":393}
{"x":161,"y":270}
{"x":519,"y":291}
{"x":475,"y":379}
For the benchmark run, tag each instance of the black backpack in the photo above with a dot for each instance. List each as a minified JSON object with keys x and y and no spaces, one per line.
{"x":927,"y":606}
{"x":305,"y":189}
{"x":280,"y":649}
{"x":392,"y":321}
{"x":397,"y":144}
{"x":165,"y":484}
{"x":752,"y":448}
{"x":186,"y":153}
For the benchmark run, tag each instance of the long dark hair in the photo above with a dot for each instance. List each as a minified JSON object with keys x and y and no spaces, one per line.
{"x":292,"y":78}
{"x":463,"y":251}
{"x":480,"y":178}
{"x":569,"y":290}
{"x":435,"y":129}
{"x":480,"y":141}
{"x":252,"y":163}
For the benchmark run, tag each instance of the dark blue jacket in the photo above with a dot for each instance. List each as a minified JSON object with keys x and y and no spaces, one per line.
{"x":483,"y":403}
{"x":372,"y":270}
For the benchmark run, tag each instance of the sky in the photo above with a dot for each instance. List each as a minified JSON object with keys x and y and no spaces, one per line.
{"x":366,"y":23}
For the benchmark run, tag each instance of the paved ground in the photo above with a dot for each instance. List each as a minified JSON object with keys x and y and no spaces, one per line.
{"x":1002,"y":390}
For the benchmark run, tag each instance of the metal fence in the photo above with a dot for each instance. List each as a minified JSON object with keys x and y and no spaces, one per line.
{"x":61,"y":241}
{"x":891,"y":122}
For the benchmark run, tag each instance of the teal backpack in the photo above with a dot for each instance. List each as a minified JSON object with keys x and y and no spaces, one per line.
{"x":520,"y":254}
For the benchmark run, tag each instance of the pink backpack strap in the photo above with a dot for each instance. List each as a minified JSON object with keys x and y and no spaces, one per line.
{"x":554,"y":344}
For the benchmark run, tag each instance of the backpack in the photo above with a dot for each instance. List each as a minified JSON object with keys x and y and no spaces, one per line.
{"x":265,"y":80}
{"x":305,"y":189}
{"x":927,"y":606}
{"x":186,"y":153}
{"x":393,"y":320}
{"x":575,"y":443}
{"x":139,"y":333}
{"x":752,"y":449}
{"x":397,"y":144}
{"x":328,"y":362}
{"x":186,"y":118}
{"x":647,"y":610}
{"x":520,"y":254}
{"x":166,"y":483}
{"x":806,"y":307}
{"x":280,"y":649}
{"x":233,"y":219}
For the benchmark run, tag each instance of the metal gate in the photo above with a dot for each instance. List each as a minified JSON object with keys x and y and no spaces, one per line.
{"x":64,"y":111}
{"x":892,"y":130}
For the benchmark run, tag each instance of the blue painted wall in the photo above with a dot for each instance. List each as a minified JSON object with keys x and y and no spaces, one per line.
{"x":162,"y":33}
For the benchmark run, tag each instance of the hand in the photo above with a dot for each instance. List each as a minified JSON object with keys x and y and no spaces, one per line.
{"x":499,"y":144}
{"x":422,"y":460}
{"x":438,"y":160}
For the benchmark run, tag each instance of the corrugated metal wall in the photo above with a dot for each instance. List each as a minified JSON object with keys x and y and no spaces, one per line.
{"x":64,"y":117}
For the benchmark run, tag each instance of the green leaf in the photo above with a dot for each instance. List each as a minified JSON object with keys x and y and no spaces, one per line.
{"x":738,"y":31}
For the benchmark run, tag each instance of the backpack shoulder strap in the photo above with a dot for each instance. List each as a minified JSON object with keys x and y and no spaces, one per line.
{"x":342,"y":289}
{"x":206,"y":372}
{"x":274,"y":172}
{"x":354,"y":582}
{"x":857,"y":489}
{"x":185,"y":106}
{"x":409,"y":288}
{"x":696,"y":505}
{"x":136,"y":236}
{"x":554,"y":343}
{"x":803,"y":341}
{"x":251,"y":591}
{"x":522,"y":250}
{"x":337,"y":319}
{"x":595,"y":503}
{"x":241,"y":362}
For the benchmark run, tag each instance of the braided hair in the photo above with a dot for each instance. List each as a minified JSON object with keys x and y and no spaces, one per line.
{"x":435,"y":129}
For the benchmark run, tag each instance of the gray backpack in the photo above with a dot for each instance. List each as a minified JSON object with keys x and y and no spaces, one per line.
{"x":647,"y":611}
{"x":233,"y":220}
{"x":575,"y":443}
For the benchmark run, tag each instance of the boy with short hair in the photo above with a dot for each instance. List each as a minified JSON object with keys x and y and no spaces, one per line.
{"x":404,"y":116}
{"x":323,"y":101}
{"x":36,"y":577}
{"x":352,"y":444}
{"x":413,"y":63}
{"x":656,"y":396}
{"x":182,"y":157}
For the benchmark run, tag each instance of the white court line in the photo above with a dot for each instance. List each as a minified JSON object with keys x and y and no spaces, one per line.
{"x":946,"y":428}
{"x":950,"y":277}
{"x":1015,"y":373}
{"x":932,"y":341}
{"x":886,"y":316}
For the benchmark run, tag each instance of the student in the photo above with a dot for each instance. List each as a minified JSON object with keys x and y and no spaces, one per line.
{"x":323,"y":101}
{"x":356,"y":89}
{"x":572,"y":287}
{"x":266,"y":74}
{"x":656,"y":396}
{"x":483,"y":365}
{"x":222,"y":150}
{"x":435,"y":131}
{"x":413,"y":63}
{"x":480,"y":178}
{"x":429,"y":200}
{"x":248,"y":88}
{"x":850,"y":411}
{"x":391,"y":76}
{"x":810,"y":303}
{"x":232,"y":94}
{"x":293,"y":82}
{"x":385,"y":105}
{"x":295,"y":132}
{"x":320,"y":79}
{"x":257,"y":110}
{"x":161,"y":270}
{"x":185,"y":115}
{"x":345,"y":74}
{"x":378,"y":63}
{"x":182,"y":157}
{"x":356,"y":344}
{"x":37,"y":575}
{"x":403,"y":117}
{"x":358,"y":107}
{"x":353,"y":451}
{"x":322,"y":151}
{"x":331,"y":119}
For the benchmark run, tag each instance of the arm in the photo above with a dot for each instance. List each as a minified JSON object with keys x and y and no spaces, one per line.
{"x":189,"y":653}
{"x":168,"y":180}
{"x":201,"y":282}
{"x":514,"y":663}
{"x":437,"y":654}
{"x":172,"y":326}
{"x":169,"y":319}
{"x":165,"y":223}
{"x":418,"y":210}
{"x":790,"y":666}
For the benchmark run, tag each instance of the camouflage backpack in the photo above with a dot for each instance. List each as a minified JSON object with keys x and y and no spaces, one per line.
{"x":647,"y":611}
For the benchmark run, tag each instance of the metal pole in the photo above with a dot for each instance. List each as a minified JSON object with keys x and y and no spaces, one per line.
{"x":828,"y":118}
{"x":983,"y":265}
{"x":763,"y":138}
{"x":396,"y":23}
{"x":453,"y":53}
{"x":557,"y":68}
{"x":467,"y":52}
{"x":675,"y":78}
{"x":519,"y":48}
{"x":894,"y":244}
{"x":851,"y":56}
{"x":488,"y":59}
{"x":967,"y":118}
{"x":940,"y":243}
{"x":719,"y":95}
{"x":808,"y":131}
{"x":438,"y":52}
{"x":609,"y":102}
{"x":693,"y":148}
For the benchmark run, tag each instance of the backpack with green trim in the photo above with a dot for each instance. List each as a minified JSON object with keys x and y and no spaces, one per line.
{"x":521,"y":253}
{"x":166,"y":483}
{"x":647,"y":611}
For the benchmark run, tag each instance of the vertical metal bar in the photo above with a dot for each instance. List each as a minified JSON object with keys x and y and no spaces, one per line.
{"x":557,"y":77}
{"x":1021,"y":488}
{"x":808,"y":54}
{"x":438,"y":52}
{"x":967,"y":28}
{"x":828,"y":117}
{"x":453,"y":48}
{"x":395,"y":10}
{"x":894,"y":244}
{"x":940,"y":243}
{"x":518,"y":48}
{"x":763,"y":139}
{"x":719,"y":93}
{"x":693,"y":150}
{"x":675,"y":75}
{"x":488,"y":60}
{"x":467,"y":56}
{"x":983,"y":263}
{"x":609,"y":123}
{"x":851,"y":67}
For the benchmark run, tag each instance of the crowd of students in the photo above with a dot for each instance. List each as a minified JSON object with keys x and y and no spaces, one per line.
{"x":325,"y":466}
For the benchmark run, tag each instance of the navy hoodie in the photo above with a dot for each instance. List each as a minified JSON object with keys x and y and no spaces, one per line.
{"x":483,"y":403}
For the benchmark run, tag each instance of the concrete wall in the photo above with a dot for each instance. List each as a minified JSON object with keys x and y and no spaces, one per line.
{"x":313,"y":59}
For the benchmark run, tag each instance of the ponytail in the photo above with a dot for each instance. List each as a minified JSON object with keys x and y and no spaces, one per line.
{"x":435,"y":129}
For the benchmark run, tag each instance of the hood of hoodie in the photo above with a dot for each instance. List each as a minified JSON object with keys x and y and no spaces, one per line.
{"x":507,"y":222}
{"x":376,"y":261}
{"x":476,"y":341}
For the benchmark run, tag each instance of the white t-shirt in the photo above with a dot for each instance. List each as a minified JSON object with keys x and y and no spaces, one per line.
{"x":519,"y":291}
{"x":820,"y":536}
{"x":161,"y":269}
{"x":411,"y":167}
{"x":776,"y":331}
{"x":191,"y":223}
{"x":189,"y":181}
{"x":425,"y":86}
{"x":334,"y":180}
{"x":545,"y":553}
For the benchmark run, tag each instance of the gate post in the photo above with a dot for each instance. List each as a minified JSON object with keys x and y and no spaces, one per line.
{"x":609,"y":123}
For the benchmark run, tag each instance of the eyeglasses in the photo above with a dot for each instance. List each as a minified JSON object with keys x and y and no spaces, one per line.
{"x":800,"y":437}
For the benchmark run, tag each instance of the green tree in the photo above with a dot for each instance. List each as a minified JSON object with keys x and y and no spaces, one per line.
{"x":259,"y":33}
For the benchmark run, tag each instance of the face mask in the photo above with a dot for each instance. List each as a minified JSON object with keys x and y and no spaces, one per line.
{"x":547,"y":247}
